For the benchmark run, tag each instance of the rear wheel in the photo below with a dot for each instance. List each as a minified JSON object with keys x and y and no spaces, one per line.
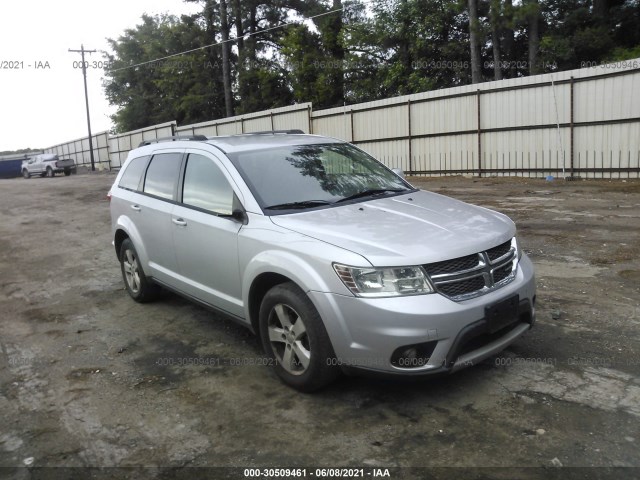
{"x":50,"y":172}
{"x":137,"y":284}
{"x":293,"y":335}
{"x":67,"y":173}
{"x":25,"y":173}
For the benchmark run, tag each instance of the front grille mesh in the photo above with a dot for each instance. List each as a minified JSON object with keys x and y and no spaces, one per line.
{"x":455,"y":265}
{"x":462,"y":287}
{"x":473,"y":275}
{"x":501,"y":273}
{"x":499,"y":251}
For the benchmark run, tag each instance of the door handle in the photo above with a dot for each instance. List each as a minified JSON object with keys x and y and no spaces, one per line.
{"x":179,"y":221}
{"x":136,"y":208}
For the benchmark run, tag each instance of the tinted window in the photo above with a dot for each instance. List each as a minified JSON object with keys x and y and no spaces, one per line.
{"x":205,"y":186}
{"x":131,"y":177}
{"x":324,"y":173}
{"x":162,"y":175}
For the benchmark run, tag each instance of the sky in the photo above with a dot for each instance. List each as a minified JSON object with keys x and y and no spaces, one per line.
{"x":42,"y":99}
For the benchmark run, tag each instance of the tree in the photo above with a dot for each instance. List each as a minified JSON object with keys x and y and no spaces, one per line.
{"x":149,"y":91}
{"x":317,"y":59}
{"x":533,"y":34}
{"x":496,"y":30}
{"x":261,"y":78}
{"x":226,"y":65}
{"x":474,"y":42}
{"x":509,"y":41}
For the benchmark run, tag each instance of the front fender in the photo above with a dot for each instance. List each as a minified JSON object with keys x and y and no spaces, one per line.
{"x":308,"y":275}
{"x":286,"y":264}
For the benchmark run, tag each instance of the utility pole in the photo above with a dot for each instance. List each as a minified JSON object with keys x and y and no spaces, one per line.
{"x":86,"y":99}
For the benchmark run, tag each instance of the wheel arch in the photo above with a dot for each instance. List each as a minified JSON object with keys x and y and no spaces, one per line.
{"x":272,"y":267}
{"x":259,"y":288}
{"x":119,"y":237}
{"x":124,"y":228}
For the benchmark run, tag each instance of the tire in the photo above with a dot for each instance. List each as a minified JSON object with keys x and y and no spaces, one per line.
{"x":50,"y":172}
{"x":140,"y":288}
{"x":26,"y":174}
{"x":294,"y":337}
{"x":67,"y":173}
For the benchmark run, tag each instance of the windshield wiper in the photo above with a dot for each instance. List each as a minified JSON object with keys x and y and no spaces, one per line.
{"x":373,"y":192}
{"x":303,"y":204}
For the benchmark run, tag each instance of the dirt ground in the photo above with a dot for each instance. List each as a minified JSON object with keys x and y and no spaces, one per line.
{"x":90,"y":378}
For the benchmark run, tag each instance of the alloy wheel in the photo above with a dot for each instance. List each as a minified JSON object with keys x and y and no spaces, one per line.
{"x":289,"y":339}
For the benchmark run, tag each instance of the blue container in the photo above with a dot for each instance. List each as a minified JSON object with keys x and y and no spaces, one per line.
{"x":10,"y":168}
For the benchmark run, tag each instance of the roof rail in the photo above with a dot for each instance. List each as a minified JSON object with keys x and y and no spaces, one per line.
{"x":173,"y":138}
{"x":295,"y":131}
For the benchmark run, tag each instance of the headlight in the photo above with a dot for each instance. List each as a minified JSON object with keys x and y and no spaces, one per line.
{"x":384,"y":282}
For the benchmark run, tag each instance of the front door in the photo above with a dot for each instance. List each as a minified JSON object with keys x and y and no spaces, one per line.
{"x":206,"y":237}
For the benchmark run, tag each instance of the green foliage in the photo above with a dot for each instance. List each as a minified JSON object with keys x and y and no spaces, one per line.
{"x":185,"y":88}
{"x":620,"y":54}
{"x":366,"y":51}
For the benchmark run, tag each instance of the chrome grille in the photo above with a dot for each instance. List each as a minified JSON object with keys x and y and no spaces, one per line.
{"x":501,"y":273}
{"x":498,"y":252}
{"x":462,"y":287}
{"x":455,"y":265}
{"x":474,"y":275}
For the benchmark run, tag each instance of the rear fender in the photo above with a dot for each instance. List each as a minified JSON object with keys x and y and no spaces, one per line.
{"x":128,"y":227}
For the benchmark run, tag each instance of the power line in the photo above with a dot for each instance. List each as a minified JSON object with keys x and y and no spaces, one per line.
{"x":286,"y":24}
{"x":86,"y":99}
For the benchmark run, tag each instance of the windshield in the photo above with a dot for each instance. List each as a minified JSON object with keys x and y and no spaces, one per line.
{"x":314,"y":176}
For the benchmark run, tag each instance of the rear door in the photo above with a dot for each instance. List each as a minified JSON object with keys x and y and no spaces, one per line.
{"x":151,"y":211}
{"x":205,"y":236}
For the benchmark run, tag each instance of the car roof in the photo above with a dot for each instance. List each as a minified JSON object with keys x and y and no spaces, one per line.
{"x":239,"y":143}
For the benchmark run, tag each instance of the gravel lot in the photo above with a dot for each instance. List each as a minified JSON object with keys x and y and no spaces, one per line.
{"x":90,"y":378}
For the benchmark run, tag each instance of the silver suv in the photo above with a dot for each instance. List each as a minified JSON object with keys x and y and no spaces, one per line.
{"x":336,"y":261}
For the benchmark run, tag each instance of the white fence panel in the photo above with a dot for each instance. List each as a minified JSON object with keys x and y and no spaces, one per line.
{"x":444,"y":116}
{"x":79,"y":151}
{"x":336,"y":125}
{"x":284,"y":118}
{"x":120,"y":145}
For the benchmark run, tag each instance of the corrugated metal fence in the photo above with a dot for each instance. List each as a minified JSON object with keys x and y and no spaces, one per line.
{"x":577,"y":123}
{"x":79,"y":150}
{"x":284,"y":118}
{"x":120,"y":145}
{"x":585,"y":121}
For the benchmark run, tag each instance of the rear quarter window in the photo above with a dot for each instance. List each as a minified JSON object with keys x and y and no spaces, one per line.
{"x":131,"y":177}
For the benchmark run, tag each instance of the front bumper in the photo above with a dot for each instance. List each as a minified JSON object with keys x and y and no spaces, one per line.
{"x":365,"y":333}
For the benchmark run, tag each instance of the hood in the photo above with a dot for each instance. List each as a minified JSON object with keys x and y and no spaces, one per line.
{"x":411,"y":229}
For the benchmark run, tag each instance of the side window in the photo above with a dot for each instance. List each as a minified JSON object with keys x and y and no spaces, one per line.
{"x":206,"y":187}
{"x":162,"y":175}
{"x":131,"y":177}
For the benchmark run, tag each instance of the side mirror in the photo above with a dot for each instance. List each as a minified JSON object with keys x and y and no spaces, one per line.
{"x":239,"y":215}
{"x":399,"y":172}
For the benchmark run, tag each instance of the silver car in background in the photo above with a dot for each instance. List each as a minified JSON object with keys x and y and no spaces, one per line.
{"x":334,"y":260}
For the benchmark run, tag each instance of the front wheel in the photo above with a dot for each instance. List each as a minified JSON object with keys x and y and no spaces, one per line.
{"x":50,"y":172}
{"x":294,"y":336}
{"x":140,"y":288}
{"x":25,"y":173}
